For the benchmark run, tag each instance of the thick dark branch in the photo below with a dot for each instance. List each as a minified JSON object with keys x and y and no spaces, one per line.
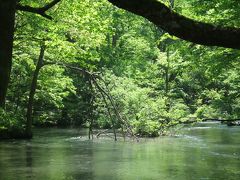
{"x":40,"y":10}
{"x":181,"y":26}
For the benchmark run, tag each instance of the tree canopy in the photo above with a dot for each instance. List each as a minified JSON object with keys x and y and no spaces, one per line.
{"x":90,"y":64}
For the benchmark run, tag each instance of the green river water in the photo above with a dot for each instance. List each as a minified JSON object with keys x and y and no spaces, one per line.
{"x":204,"y":151}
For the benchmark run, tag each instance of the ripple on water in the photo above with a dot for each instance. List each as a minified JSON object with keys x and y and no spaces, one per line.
{"x":200,"y":128}
{"x":234,"y":155}
{"x":77,"y":138}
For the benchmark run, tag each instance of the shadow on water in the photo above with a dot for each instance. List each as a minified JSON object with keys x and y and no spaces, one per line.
{"x":204,"y":151}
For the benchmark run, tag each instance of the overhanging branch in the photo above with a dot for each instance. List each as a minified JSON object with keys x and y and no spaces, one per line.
{"x":40,"y":10}
{"x":181,"y":26}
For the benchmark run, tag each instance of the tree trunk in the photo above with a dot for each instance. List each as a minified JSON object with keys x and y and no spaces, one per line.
{"x":32,"y":92}
{"x":7,"y":19}
{"x":110,"y":116}
{"x":167,"y":74}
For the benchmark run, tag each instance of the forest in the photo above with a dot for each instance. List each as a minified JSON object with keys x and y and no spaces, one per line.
{"x":119,"y":89}
{"x":90,"y":64}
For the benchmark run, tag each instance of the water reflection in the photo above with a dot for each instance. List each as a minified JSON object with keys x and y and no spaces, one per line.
{"x":199,"y":153}
{"x":29,"y":161}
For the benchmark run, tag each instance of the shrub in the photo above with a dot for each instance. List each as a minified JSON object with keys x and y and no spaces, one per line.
{"x":11,"y":124}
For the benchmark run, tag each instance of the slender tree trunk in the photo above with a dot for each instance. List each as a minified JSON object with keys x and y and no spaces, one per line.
{"x":110,"y":115}
{"x":167,"y":101}
{"x":90,"y":131}
{"x":123,"y":133}
{"x":90,"y":111}
{"x":7,"y":19}
{"x":32,"y":92}
{"x":167,"y":74}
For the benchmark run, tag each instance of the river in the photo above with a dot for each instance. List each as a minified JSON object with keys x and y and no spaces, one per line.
{"x":203,"y":151}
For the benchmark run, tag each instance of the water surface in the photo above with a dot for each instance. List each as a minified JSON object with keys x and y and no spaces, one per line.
{"x":204,"y":151}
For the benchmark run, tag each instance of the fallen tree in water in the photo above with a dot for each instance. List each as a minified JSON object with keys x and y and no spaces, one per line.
{"x":94,"y":78}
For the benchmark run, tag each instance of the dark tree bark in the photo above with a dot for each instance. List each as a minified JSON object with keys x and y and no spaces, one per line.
{"x":7,"y":18}
{"x":180,"y":26}
{"x":167,"y":68}
{"x":40,"y":10}
{"x":32,"y":92}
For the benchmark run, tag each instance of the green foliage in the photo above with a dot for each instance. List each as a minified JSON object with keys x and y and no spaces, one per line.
{"x":146,"y":128}
{"x":147,"y":115}
{"x":53,"y":90}
{"x":11,"y":122}
{"x":222,"y":12}
{"x":155,"y":80}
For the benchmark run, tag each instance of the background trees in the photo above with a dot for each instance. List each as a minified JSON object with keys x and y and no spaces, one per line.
{"x":154,"y":79}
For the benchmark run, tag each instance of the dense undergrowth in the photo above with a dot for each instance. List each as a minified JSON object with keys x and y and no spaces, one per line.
{"x":154,"y":81}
